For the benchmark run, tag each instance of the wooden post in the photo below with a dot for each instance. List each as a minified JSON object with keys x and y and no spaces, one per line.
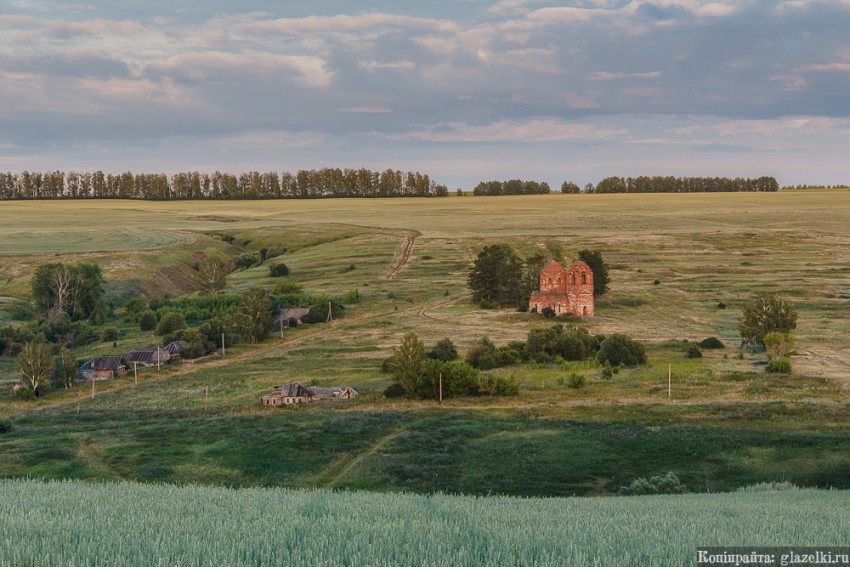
{"x":441,"y":387}
{"x":281,"y":323}
{"x":79,"y":397}
{"x":330,"y":312}
{"x":206,"y":397}
{"x":92,"y":387}
{"x":669,"y":380}
{"x":222,"y":345}
{"x":158,"y":358}
{"x":136,"y":372}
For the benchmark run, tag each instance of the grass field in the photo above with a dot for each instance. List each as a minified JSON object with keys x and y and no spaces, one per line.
{"x":727,"y":424}
{"x":131,"y":524}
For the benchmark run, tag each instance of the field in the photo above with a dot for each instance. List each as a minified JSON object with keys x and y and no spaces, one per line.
{"x":727,"y":424}
{"x":132,"y":524}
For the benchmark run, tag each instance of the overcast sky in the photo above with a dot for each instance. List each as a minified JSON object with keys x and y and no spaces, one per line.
{"x":465,"y":90}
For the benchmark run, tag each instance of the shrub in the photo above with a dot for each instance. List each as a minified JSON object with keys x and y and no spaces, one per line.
{"x":134,"y":308}
{"x":395,"y":390}
{"x":287,"y":287}
{"x":667,"y":484}
{"x":247,"y":260}
{"x":548,"y":312}
{"x":711,"y":342}
{"x":779,"y":366}
{"x":445,"y":350}
{"x":656,"y":282}
{"x":693,"y":351}
{"x":278,"y":270}
{"x":487,"y":304}
{"x":763,"y":315}
{"x":109,"y":334}
{"x":147,"y":321}
{"x":170,"y":323}
{"x":482,"y":354}
{"x":721,"y":305}
{"x":618,"y":349}
{"x":607,"y":373}
{"x":351,"y":297}
{"x":490,"y":385}
{"x":6,"y":425}
{"x":576,"y":380}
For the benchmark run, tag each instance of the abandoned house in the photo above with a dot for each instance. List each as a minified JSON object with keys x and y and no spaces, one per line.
{"x":288,"y":314}
{"x":174,"y":349}
{"x":564,"y":290}
{"x":296,"y":393}
{"x":150,"y":356}
{"x":104,"y":368}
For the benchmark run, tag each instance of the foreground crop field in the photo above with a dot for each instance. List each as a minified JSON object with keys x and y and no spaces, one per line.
{"x":132,"y":524}
{"x":726,"y":424}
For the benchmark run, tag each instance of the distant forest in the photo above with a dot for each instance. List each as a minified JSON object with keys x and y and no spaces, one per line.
{"x":643,"y":184}
{"x":312,"y":184}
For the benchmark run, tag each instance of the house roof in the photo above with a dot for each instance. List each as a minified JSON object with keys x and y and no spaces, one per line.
{"x":174,"y":347}
{"x":148,"y":355}
{"x":294,"y":391}
{"x":104,"y":363}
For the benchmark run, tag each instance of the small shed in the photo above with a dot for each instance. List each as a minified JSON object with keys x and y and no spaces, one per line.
{"x":104,"y":368}
{"x":288,"y":394}
{"x":150,"y":356}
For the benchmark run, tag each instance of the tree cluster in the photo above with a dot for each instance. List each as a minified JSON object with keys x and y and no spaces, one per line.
{"x":670,"y":184}
{"x":511,"y":187}
{"x":73,"y":290}
{"x":500,"y":277}
{"x":321,"y":183}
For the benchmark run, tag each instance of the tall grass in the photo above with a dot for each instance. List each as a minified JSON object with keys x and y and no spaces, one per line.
{"x":74,"y":523}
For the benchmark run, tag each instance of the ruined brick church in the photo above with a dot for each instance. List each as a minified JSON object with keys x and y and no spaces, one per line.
{"x":564,"y":290}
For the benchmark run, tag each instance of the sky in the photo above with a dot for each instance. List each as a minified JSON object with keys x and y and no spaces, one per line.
{"x":464,"y":90}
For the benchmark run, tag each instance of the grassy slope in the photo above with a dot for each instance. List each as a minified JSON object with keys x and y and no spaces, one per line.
{"x":728,"y":424}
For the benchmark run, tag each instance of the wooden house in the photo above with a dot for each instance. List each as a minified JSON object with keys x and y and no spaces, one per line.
{"x":287,"y":313}
{"x":288,"y":394}
{"x":296,"y":393}
{"x":175,"y":347}
{"x":104,"y":368}
{"x":150,"y":356}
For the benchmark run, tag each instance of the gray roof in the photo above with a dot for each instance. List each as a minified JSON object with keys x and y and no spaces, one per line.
{"x":148,"y":355}
{"x":293,"y":391}
{"x":174,"y":347}
{"x":104,"y":363}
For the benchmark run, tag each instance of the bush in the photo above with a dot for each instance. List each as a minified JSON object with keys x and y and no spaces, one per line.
{"x":618,"y":349}
{"x":287,"y":287}
{"x":721,"y":305}
{"x":548,"y":312}
{"x":667,"y":484}
{"x":109,"y":334}
{"x":693,"y":351}
{"x":490,"y":385}
{"x":134,"y":308}
{"x":23,"y":393}
{"x":278,"y":270}
{"x":779,"y":366}
{"x":6,"y":425}
{"x":247,"y":260}
{"x":482,"y":354}
{"x":711,"y":342}
{"x":656,"y":282}
{"x":170,"y":323}
{"x":147,"y":321}
{"x":351,"y":297}
{"x":576,"y":380}
{"x":607,"y":373}
{"x":763,"y":315}
{"x":445,"y":350}
{"x":395,"y":390}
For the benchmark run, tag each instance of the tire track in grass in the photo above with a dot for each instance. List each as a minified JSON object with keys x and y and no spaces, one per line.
{"x":338,"y":470}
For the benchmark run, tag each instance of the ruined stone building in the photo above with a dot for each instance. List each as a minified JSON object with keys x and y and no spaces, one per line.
{"x":564,"y":290}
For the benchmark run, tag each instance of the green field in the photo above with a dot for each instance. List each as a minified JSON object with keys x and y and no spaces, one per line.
{"x":728,"y":423}
{"x":132,"y":524}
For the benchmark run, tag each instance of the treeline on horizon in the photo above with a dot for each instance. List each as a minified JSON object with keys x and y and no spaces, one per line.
{"x":305,"y":184}
{"x":643,"y":184}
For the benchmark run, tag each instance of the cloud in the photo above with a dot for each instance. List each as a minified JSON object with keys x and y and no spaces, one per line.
{"x":544,"y":130}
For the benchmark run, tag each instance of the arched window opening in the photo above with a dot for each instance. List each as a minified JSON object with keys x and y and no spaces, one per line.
{"x":584,"y":277}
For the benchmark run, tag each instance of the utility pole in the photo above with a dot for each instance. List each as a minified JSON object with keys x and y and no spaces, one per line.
{"x":92,"y":387}
{"x":441,"y":387}
{"x":669,"y":380}
{"x":136,"y":372}
{"x":330,"y":312}
{"x":79,"y":397}
{"x":158,"y":358}
{"x":222,"y":345}
{"x":206,"y":397}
